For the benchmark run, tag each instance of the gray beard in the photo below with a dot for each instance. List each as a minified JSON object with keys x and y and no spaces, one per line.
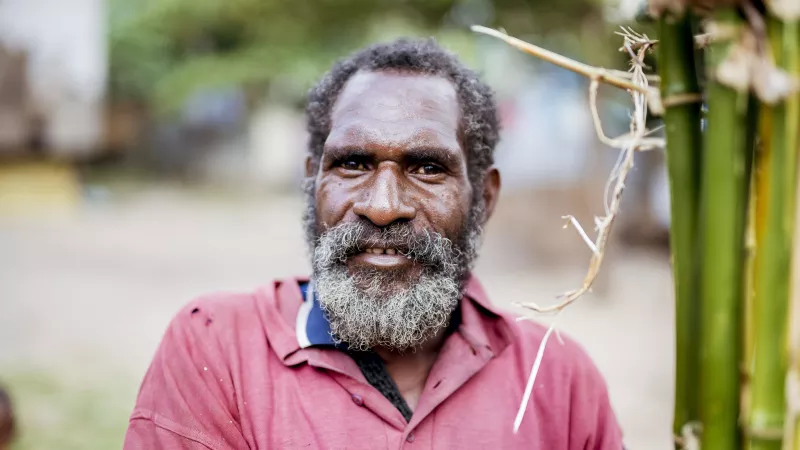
{"x":373,"y":308}
{"x":366,"y":318}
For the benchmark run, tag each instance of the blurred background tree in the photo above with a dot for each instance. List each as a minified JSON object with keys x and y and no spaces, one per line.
{"x":163,"y":51}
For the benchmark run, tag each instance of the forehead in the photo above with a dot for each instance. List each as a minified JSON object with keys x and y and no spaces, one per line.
{"x":396,"y":110}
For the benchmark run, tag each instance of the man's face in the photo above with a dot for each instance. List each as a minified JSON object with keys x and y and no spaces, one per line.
{"x":392,"y":213}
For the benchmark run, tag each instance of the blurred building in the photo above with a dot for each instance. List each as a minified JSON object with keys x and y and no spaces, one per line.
{"x":53,"y":70}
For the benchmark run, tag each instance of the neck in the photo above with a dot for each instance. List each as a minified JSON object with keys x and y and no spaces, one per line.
{"x":410,"y":370}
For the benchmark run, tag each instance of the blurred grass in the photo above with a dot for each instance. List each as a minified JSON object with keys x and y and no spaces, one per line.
{"x":57,"y":411}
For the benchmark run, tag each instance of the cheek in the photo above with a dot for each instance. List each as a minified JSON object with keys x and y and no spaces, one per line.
{"x":448,"y":210}
{"x":332,"y":202}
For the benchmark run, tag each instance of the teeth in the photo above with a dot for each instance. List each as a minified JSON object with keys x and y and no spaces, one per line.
{"x":381,"y":251}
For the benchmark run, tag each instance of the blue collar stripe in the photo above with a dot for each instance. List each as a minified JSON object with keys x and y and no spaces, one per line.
{"x":313,"y":327}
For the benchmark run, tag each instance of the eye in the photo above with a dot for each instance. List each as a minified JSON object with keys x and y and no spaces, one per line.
{"x":428,"y":169}
{"x":352,"y":164}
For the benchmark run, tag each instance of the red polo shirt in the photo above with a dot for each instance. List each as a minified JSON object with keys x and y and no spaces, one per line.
{"x":230,"y":374}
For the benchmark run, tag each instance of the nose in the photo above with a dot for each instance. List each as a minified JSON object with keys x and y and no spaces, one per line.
{"x":384,"y":201}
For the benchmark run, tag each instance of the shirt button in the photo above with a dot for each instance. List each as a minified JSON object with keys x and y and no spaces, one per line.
{"x":357,"y":400}
{"x":410,"y":437}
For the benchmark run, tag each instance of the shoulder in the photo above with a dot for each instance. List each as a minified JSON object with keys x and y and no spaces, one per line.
{"x":209,"y":334}
{"x":215,"y":312}
{"x":190,"y":386}
{"x":572,"y":380}
{"x":221,"y":307}
{"x":214,"y":323}
{"x":230,"y":323}
{"x":563,"y":355}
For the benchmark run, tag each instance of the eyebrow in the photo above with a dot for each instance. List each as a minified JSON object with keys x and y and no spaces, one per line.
{"x":437,"y":154}
{"x":338,"y":153}
{"x":414,"y":154}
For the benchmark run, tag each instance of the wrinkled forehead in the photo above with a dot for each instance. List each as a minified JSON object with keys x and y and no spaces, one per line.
{"x":396,"y":109}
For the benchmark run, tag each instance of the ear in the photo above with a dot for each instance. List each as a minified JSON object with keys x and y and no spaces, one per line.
{"x":491,"y":192}
{"x":309,"y":167}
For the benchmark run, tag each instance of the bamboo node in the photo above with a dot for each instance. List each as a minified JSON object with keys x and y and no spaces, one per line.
{"x":659,"y":7}
{"x":682,"y":99}
{"x":748,"y":65}
{"x":689,"y":438}
{"x":764,"y":433}
{"x":772,"y":84}
{"x":735,"y":71}
{"x":793,"y":393}
{"x":703,"y":40}
{"x":719,"y":32}
{"x":792,"y":405}
{"x":785,"y":10}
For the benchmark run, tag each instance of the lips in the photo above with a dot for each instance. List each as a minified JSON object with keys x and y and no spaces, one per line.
{"x":382,"y":258}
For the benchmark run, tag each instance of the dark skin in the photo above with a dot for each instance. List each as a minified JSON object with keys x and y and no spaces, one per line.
{"x":395,"y":154}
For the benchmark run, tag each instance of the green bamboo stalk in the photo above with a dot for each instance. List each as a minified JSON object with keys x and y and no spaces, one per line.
{"x":792,"y":52}
{"x":794,"y":317}
{"x":724,"y":189}
{"x":792,"y":427}
{"x":676,"y":63}
{"x":773,"y":266}
{"x":753,"y":235}
{"x":758,"y":207}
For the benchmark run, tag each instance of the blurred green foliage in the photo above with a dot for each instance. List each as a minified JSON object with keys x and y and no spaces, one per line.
{"x":163,"y":50}
{"x":56,"y":409}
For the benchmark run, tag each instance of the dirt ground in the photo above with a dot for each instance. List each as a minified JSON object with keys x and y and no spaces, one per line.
{"x":85,"y":297}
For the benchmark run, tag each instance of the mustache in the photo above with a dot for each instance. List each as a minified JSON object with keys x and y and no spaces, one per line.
{"x":343,"y":241}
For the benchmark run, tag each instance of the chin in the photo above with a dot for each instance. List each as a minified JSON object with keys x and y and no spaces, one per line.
{"x":405,"y":272}
{"x":383,"y":282}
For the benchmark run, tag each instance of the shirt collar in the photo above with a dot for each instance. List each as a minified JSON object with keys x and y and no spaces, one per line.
{"x":483,"y":326}
{"x":312,"y":327}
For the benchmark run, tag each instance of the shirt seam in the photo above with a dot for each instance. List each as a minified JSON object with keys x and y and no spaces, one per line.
{"x":170,"y":425}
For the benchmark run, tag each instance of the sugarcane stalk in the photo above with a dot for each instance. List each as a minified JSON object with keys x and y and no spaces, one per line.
{"x":758,"y":195}
{"x":676,"y":63}
{"x":766,"y":419}
{"x":754,"y":236}
{"x":792,"y":53}
{"x":724,"y":189}
{"x":792,"y":427}
{"x":793,"y":376}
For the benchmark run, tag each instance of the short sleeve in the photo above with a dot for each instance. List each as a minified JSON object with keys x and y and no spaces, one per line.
{"x":143,"y":433}
{"x":183,"y":401}
{"x":594,"y":424}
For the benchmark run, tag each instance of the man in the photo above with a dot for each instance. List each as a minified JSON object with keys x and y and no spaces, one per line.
{"x":391,"y":343}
